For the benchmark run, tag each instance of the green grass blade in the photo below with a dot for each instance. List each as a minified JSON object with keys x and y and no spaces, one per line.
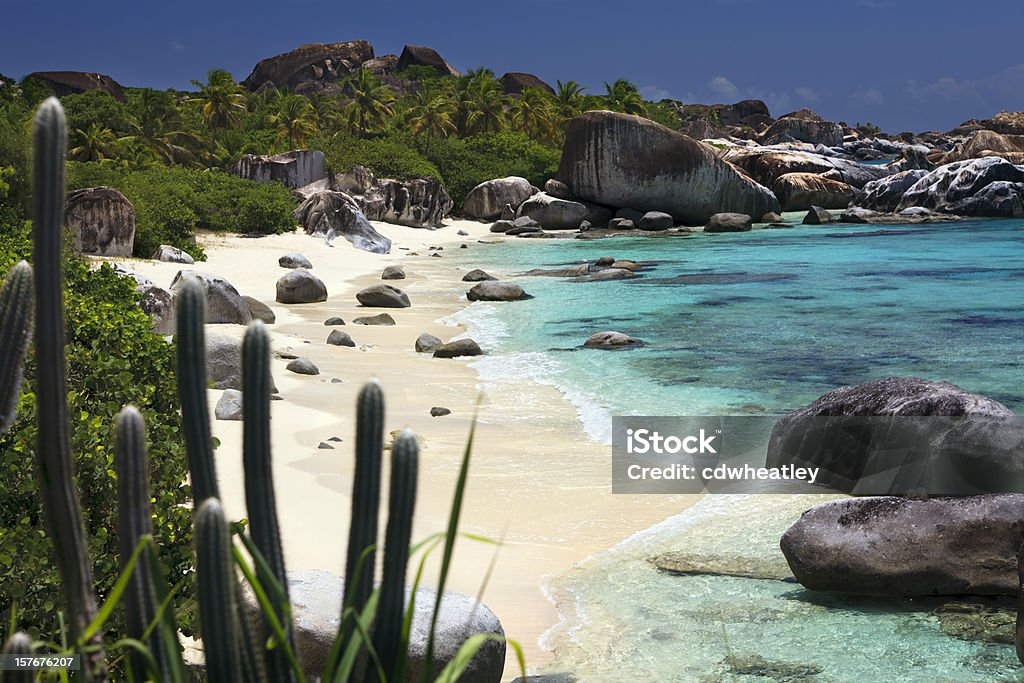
{"x":114,"y":598}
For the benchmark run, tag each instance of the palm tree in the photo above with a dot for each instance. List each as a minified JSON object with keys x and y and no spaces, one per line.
{"x":221,"y":103}
{"x":568,"y":100}
{"x":532,"y":112}
{"x":489,"y":100}
{"x":294,"y":119}
{"x":463,"y":101}
{"x":95,"y":143}
{"x":371,"y":102}
{"x":157,"y":128}
{"x":625,"y":97}
{"x":431,"y":114}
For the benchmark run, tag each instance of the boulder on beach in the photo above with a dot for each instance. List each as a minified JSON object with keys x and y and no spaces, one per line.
{"x":818,"y":216}
{"x":427,"y":343}
{"x":495,"y":290}
{"x":767,"y":164}
{"x":655,"y":221}
{"x":334,"y":320}
{"x":621,"y":224}
{"x":502,"y":226}
{"x":295,"y":260}
{"x":381,"y":319}
{"x":997,"y":200}
{"x":102,"y":221}
{"x":885,"y":194}
{"x":303,"y":366}
{"x":393,"y":273}
{"x":611,"y":340}
{"x":552,"y":213}
{"x":729,"y":222}
{"x":330,"y":213}
{"x":259,"y":310}
{"x":977,"y":452}
{"x":458,"y":348}
{"x":414,"y":202}
{"x":169,"y":254}
{"x":223,"y":302}
{"x":477,"y":275}
{"x":224,"y":362}
{"x":300,"y":286}
{"x":486,"y":200}
{"x":383,"y":296}
{"x":293,"y":169}
{"x":805,"y":126}
{"x":897,"y":546}
{"x":316,"y":597}
{"x":958,"y":181}
{"x":556,"y":188}
{"x":623,"y":160}
{"x":158,"y":303}
{"x":801,"y":191}
{"x":339,"y":338}
{"x":229,"y":405}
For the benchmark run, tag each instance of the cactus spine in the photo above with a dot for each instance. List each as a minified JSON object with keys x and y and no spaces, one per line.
{"x":134,"y":521}
{"x":387,"y":637}
{"x":19,"y":644}
{"x":195,"y":413}
{"x":54,"y":464}
{"x":259,"y":482}
{"x":218,"y":602}
{"x":15,"y":333}
{"x":362,"y":534}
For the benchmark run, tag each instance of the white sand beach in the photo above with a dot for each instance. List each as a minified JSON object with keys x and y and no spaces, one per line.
{"x":539,"y":484}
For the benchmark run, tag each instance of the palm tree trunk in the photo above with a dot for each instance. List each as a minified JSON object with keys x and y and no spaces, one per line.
{"x":427,"y":153}
{"x":213,"y":145}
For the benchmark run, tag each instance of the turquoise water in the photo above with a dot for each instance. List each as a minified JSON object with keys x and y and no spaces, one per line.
{"x":755,"y":323}
{"x":765,"y":321}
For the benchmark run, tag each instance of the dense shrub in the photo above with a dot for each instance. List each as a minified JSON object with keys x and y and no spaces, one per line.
{"x":113,"y":358}
{"x":390,"y":156}
{"x":466,"y":163}
{"x":172,"y":202}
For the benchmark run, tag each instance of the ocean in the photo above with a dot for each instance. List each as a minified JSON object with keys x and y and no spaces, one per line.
{"x":755,"y":323}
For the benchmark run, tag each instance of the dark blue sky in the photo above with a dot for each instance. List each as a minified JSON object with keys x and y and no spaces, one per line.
{"x":902,"y":64}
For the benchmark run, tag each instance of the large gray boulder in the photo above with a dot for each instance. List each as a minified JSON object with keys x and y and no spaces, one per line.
{"x":610,"y":340}
{"x":330,"y":213}
{"x":169,"y":254}
{"x":339,"y":338}
{"x":314,"y":64}
{"x":224,"y":362}
{"x":552,"y":213}
{"x":299,"y":286}
{"x":495,"y":290}
{"x":886,"y":193}
{"x":259,"y":310}
{"x":295,"y":260}
{"x":805,"y":126}
{"x":229,"y":405}
{"x":316,"y":596}
{"x":102,"y":221}
{"x":223,"y":302}
{"x":958,"y":181}
{"x":158,"y":303}
{"x":487,"y":200}
{"x":654,"y":221}
{"x":622,"y":160}
{"x":458,"y":348}
{"x":801,"y":191}
{"x":897,"y":546}
{"x":294,"y":169}
{"x":729,"y":222}
{"x":477,"y":275}
{"x":416,"y":203}
{"x":383,"y":296}
{"x":427,"y":343}
{"x":904,"y":452}
{"x":997,"y":200}
{"x":420,"y":55}
{"x":767,"y":164}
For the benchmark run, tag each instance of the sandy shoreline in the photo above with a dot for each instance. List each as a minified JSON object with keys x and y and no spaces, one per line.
{"x":536,"y":480}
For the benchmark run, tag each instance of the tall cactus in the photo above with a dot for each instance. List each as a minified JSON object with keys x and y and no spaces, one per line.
{"x":218,"y":599}
{"x":18,"y":644}
{"x":15,"y":333}
{"x":387,"y":636}
{"x":190,"y":304}
{"x":259,"y":482}
{"x":53,"y":459}
{"x":134,"y":521}
{"x":359,"y":567}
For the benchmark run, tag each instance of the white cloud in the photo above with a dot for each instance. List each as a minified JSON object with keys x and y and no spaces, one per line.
{"x":654,"y":94}
{"x":807,"y":94}
{"x":946,"y":89}
{"x":723,"y":87}
{"x":870,"y":96}
{"x":177,"y":46}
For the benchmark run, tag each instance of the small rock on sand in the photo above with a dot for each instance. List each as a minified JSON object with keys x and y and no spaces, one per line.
{"x":334,"y":321}
{"x":427,"y":343}
{"x":460,"y":347}
{"x":339,"y":338}
{"x":381,"y":319}
{"x":438,"y":411}
{"x":303,"y":366}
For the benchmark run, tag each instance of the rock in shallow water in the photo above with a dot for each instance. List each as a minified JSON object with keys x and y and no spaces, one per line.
{"x":486,"y":200}
{"x":897,"y":546}
{"x":495,"y":290}
{"x":728,"y":222}
{"x":427,"y":343}
{"x":611,"y":340}
{"x":457,"y":348}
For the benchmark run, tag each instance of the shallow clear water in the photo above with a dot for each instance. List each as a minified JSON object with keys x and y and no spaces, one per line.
{"x":752,"y":323}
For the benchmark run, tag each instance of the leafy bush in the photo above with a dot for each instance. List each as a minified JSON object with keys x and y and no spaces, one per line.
{"x":14,"y":164}
{"x":466,"y":163}
{"x":171,"y":203}
{"x":113,"y":358}
{"x":390,"y":156}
